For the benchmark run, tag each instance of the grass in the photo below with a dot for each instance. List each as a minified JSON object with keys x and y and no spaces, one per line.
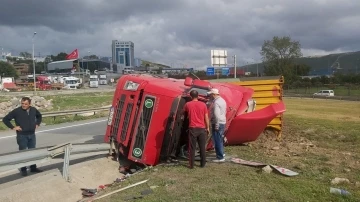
{"x":320,"y":142}
{"x":80,"y":101}
{"x":338,"y":90}
{"x":73,"y":102}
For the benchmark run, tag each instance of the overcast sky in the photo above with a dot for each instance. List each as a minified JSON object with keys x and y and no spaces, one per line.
{"x":178,"y":32}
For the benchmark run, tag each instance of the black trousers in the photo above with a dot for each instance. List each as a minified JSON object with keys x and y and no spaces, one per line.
{"x":197,"y":135}
{"x":26,"y":142}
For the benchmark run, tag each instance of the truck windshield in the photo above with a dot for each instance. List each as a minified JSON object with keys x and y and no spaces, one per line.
{"x":202,"y":92}
{"x":93,"y":79}
{"x":71,"y":82}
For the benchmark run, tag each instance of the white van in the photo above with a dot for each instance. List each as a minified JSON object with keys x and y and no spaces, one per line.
{"x":327,"y":93}
{"x":94,"y":81}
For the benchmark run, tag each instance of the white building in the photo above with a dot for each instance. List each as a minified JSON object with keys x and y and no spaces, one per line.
{"x":123,"y":54}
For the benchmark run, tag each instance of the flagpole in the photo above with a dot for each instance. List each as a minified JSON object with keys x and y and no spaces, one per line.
{"x":79,"y":63}
{"x":82,"y":64}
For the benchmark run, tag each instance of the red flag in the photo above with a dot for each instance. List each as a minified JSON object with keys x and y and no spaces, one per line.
{"x":73,"y":55}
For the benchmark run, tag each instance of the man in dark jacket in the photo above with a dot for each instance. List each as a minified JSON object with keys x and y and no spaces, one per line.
{"x":27,"y":120}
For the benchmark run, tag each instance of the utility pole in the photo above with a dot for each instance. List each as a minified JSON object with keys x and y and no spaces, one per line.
{"x":235,"y":66}
{"x":33,"y":57}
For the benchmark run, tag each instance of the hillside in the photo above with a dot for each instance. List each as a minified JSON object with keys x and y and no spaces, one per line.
{"x":152,"y":64}
{"x":341,"y":62}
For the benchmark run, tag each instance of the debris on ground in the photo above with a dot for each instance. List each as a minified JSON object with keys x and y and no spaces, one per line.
{"x":119,"y":190}
{"x":338,"y":180}
{"x":357,"y":184}
{"x":244,"y":162}
{"x":284,"y":171}
{"x":37,"y":101}
{"x":154,"y":187}
{"x":130,"y":169}
{"x":266,"y":168}
{"x":339,"y":191}
{"x":347,"y":170}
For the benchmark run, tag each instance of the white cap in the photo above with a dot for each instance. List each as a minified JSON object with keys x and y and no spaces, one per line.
{"x":214,"y":91}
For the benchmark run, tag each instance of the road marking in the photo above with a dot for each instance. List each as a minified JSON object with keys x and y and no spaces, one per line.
{"x":71,"y":126}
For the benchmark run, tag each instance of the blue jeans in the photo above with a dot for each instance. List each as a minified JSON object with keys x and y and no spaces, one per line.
{"x":218,"y":140}
{"x":26,"y":142}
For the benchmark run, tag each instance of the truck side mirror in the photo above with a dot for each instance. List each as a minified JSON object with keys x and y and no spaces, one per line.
{"x":188,"y":81}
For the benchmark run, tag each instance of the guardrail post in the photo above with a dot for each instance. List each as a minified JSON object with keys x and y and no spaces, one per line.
{"x":65,"y":172}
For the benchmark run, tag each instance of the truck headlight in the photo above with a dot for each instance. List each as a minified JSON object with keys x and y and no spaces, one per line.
{"x":111,"y":114}
{"x":129,"y":85}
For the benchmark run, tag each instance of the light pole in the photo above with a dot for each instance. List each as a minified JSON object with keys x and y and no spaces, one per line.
{"x":33,"y":58}
{"x":234,"y":66}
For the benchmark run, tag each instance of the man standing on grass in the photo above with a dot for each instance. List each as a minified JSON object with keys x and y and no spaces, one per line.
{"x":27,"y":120}
{"x":218,"y":121}
{"x":198,"y":127}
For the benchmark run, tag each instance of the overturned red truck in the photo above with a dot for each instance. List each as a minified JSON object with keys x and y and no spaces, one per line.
{"x":146,"y":123}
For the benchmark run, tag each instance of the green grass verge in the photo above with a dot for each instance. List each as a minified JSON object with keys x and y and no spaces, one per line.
{"x":320,"y":141}
{"x":339,"y":90}
{"x":80,"y":101}
{"x":73,"y":102}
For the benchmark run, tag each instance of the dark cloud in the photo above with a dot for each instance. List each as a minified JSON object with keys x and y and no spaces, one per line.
{"x":179,"y":32}
{"x":69,"y":15}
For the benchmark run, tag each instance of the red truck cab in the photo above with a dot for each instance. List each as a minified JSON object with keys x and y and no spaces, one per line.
{"x":146,"y":122}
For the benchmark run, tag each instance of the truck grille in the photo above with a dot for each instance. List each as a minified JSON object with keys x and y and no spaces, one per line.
{"x":143,"y":127}
{"x":126,"y":121}
{"x":120,"y":106}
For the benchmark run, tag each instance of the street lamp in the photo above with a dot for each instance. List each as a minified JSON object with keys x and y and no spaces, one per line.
{"x":33,"y":58}
{"x":234,"y":66}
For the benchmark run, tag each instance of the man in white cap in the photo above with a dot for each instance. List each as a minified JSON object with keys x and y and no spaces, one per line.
{"x":218,"y":121}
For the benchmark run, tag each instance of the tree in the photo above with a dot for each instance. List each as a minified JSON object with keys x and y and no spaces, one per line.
{"x":301,"y":69}
{"x":59,"y":57}
{"x":26,"y":55}
{"x":278,"y":56}
{"x":39,"y":67}
{"x":11,"y":59}
{"x":91,"y":66}
{"x":7,"y":70}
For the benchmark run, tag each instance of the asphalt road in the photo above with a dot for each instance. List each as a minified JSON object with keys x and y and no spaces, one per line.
{"x":102,"y":88}
{"x":89,"y":131}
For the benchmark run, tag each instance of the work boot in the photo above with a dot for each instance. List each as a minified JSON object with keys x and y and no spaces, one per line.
{"x":35,"y":170}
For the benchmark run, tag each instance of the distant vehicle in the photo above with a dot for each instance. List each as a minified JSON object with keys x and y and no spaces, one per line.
{"x":102,"y":79}
{"x":328,"y":93}
{"x":94,"y":81}
{"x":71,"y":82}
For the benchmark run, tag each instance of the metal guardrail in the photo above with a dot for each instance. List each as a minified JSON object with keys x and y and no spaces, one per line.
{"x":347,"y":98}
{"x":71,"y":112}
{"x":23,"y":158}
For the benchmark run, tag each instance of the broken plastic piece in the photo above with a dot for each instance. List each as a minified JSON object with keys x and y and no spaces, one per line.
{"x":339,"y":191}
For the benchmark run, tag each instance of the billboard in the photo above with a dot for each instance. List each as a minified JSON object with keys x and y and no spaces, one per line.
{"x":218,"y":58}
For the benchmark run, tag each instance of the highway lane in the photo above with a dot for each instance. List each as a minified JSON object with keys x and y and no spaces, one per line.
{"x":88,"y":131}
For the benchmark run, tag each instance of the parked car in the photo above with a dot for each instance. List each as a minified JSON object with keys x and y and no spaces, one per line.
{"x":328,"y":93}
